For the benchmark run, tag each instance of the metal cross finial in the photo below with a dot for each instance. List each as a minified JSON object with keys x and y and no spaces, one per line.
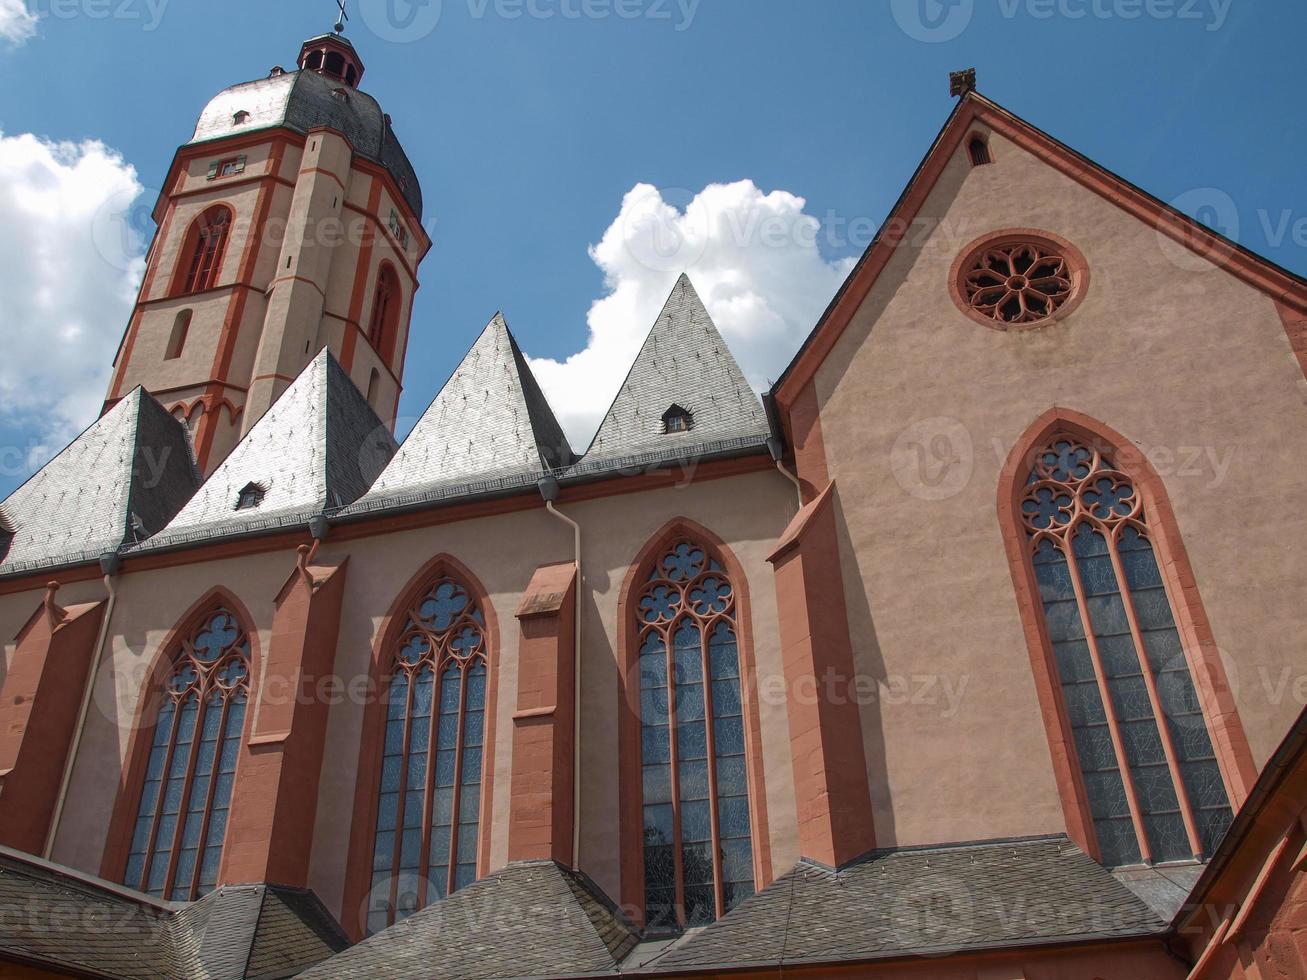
{"x":340,"y":21}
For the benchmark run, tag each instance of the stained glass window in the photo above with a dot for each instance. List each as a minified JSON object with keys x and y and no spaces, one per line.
{"x":429,"y":802}
{"x":1155,"y":791}
{"x":182,"y":820}
{"x":698,"y":845}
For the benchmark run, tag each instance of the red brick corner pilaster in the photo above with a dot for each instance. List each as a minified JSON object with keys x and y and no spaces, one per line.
{"x":830,"y":768}
{"x":39,"y":705}
{"x":1295,"y":328}
{"x":275,"y":799}
{"x":540,"y":816}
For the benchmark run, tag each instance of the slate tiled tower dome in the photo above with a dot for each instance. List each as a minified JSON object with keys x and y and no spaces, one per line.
{"x":289,"y":223}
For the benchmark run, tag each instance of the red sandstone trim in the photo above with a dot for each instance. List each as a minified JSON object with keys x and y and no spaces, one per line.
{"x":804,"y":425}
{"x":832,"y":786}
{"x":39,"y":705}
{"x":630,"y":781}
{"x":1075,"y":259}
{"x":543,"y":777}
{"x":1228,"y":738}
{"x":275,"y":799}
{"x":1244,"y":265}
{"x":113,"y":862}
{"x":434,"y":516}
{"x":362,"y":274}
{"x":1295,"y":328}
{"x":358,"y":871}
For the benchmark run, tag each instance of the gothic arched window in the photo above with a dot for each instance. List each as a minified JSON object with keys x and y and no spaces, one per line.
{"x":697,"y":837}
{"x":1146,"y":760}
{"x":385,"y":312}
{"x":429,"y":802}
{"x":182,"y":818}
{"x":206,"y":243}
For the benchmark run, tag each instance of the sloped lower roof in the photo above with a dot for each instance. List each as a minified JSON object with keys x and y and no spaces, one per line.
{"x":489,"y":421}
{"x":134,"y":461}
{"x":60,"y":920}
{"x":533,"y":919}
{"x":924,"y":901}
{"x":318,"y":448}
{"x":684,"y":362}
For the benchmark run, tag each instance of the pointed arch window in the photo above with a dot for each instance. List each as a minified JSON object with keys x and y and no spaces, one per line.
{"x":697,"y":836}
{"x":385,"y":311}
{"x":182,"y":818}
{"x":1146,"y":760}
{"x":206,"y":245}
{"x":429,"y":802}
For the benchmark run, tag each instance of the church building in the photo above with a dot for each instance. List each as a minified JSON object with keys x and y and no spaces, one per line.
{"x":950,"y":656}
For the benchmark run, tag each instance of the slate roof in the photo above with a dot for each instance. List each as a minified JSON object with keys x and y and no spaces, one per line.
{"x":490,"y":424}
{"x":57,"y":919}
{"x":533,"y":919}
{"x":118,"y":482}
{"x":923,"y":901}
{"x":683,"y":362}
{"x":305,"y":100}
{"x":317,"y":448}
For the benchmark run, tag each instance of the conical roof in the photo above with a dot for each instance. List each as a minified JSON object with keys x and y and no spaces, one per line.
{"x":489,"y":422}
{"x":318,"y":448}
{"x":684,"y":368}
{"x":117,"y":483}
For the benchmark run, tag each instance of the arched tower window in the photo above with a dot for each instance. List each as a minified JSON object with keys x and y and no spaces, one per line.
{"x":182,"y":818}
{"x":429,"y":802}
{"x":386,"y":300}
{"x":206,"y":243}
{"x":697,"y":834}
{"x":1146,"y":761}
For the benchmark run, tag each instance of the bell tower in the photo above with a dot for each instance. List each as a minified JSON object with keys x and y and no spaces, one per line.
{"x":291,"y":221}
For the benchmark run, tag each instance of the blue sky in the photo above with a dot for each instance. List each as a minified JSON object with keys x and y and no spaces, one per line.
{"x":530,"y":123}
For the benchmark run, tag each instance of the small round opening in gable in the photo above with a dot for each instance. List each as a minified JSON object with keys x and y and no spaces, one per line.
{"x":1019,"y":279}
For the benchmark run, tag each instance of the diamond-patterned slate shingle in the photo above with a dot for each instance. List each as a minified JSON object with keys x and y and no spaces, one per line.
{"x":532,"y":919}
{"x":118,"y":482}
{"x":923,"y":901}
{"x":489,"y":422}
{"x":684,"y":362}
{"x":318,"y":448}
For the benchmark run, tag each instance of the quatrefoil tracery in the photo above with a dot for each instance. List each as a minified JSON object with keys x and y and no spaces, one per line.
{"x":1073,"y":484}
{"x":444,"y":625}
{"x":686,"y":584}
{"x":214,"y":658}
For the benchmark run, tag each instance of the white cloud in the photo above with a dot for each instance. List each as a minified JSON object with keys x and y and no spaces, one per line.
{"x":17,"y":23}
{"x":753,"y":258}
{"x":70,"y":265}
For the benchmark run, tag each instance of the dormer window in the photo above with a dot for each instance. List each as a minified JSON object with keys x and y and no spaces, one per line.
{"x":240,"y":118}
{"x":677,"y":419}
{"x":251,"y":497}
{"x":6,"y":535}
